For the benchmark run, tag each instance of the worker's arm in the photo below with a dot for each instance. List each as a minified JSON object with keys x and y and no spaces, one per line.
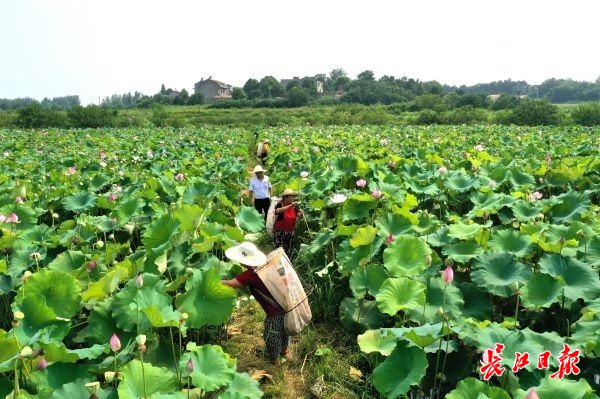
{"x":233,"y":283}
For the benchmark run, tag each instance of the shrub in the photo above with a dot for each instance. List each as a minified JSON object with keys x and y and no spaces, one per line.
{"x":535,"y":113}
{"x":34,"y":115}
{"x":91,"y":116}
{"x":160,"y":117}
{"x":427,"y":117}
{"x":587,"y":114}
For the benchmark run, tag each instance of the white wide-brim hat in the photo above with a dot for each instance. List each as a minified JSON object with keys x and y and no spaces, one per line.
{"x":259,"y":168}
{"x":247,"y":254}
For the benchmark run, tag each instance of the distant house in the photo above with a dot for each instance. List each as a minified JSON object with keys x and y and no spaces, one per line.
{"x":286,"y":82}
{"x":213,"y":90}
{"x":494,"y":97}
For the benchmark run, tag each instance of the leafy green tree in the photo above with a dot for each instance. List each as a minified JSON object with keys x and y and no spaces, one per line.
{"x":182,"y":98}
{"x":195,"y":99}
{"x":270,"y":87}
{"x":505,"y":101}
{"x":252,"y":89}
{"x":297,"y":97}
{"x":91,"y":116}
{"x":429,"y":101}
{"x":587,"y":114}
{"x":535,"y":113}
{"x":238,"y":94}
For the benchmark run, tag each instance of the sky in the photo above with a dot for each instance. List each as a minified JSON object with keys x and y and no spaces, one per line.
{"x":96,"y":48}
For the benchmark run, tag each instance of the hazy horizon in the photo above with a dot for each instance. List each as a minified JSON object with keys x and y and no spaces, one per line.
{"x":95,"y":49}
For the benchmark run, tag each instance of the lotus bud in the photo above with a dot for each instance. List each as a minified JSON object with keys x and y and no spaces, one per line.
{"x":390,"y":238}
{"x":532,"y":394}
{"x":562,"y":240}
{"x":492,"y":183}
{"x":109,"y":376}
{"x":111,"y":237}
{"x":392,"y":164}
{"x":361,"y":183}
{"x":376,"y":193}
{"x":26,"y":276}
{"x":91,"y":266}
{"x":115,"y":343}
{"x":99,"y":244}
{"x":189,"y":367}
{"x":140,"y":339}
{"x":448,"y":275}
{"x":442,"y":170}
{"x":304,"y":174}
{"x":42,"y":364}
{"x":139,"y":280}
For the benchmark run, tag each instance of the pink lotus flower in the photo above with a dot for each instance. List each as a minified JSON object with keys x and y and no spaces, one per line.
{"x":383,"y":142}
{"x":392,"y":164}
{"x":537,"y":195}
{"x":112,"y":197}
{"x":189,"y":366}
{"x":479,"y":147}
{"x":18,"y":199}
{"x":548,"y":158}
{"x":12,"y":218}
{"x":390,"y":239}
{"x":71,"y":171}
{"x":448,"y":275}
{"x":42,"y":364}
{"x":376,"y":193}
{"x":115,"y":343}
{"x":102,"y":155}
{"x":2,"y":218}
{"x":91,"y":266}
{"x":532,"y":394}
{"x":304,"y":174}
{"x":442,"y":170}
{"x":295,"y":149}
{"x":361,"y":183}
{"x":492,"y":183}
{"x":179,"y":176}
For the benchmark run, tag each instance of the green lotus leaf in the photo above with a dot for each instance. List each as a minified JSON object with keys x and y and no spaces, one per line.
{"x":495,"y":272}
{"x":526,"y":211}
{"x":109,"y":282}
{"x":398,"y":294}
{"x":462,"y":252}
{"x":464,"y":231}
{"x":586,"y":336}
{"x":28,"y":217}
{"x":555,"y":388}
{"x":206,"y":300}
{"x":420,"y":188}
{"x":359,"y":313}
{"x":77,"y":389}
{"x":510,"y":241}
{"x":404,"y":368}
{"x":477,"y":302}
{"x":580,"y":279}
{"x":345,"y":165}
{"x":250,"y":220}
{"x":425,"y":335}
{"x":68,"y":261}
{"x":472,"y":388}
{"x":9,"y":351}
{"x":348,"y":258}
{"x":130,"y":303}
{"x":158,"y":234}
{"x":591,"y":252}
{"x":367,"y":280}
{"x":190,"y":216}
{"x":101,"y":324}
{"x":242,"y":387}
{"x":460,"y":183}
{"x":358,"y":207}
{"x":439,"y":238}
{"x":128,"y":208}
{"x":146,"y":381}
{"x":489,"y":203}
{"x":382,"y":341}
{"x":163,"y":317}
{"x":542,"y":290}
{"x":213,"y":368}
{"x":80,"y":202}
{"x":343,"y":230}
{"x":521,"y":179}
{"x":57,"y":352}
{"x":572,"y":206}
{"x":363,"y":236}
{"x":198,"y":190}
{"x":394,"y":224}
{"x":438,"y":295}
{"x":406,"y":256}
{"x":56,"y":291}
{"x":484,"y":335}
{"x":98,"y":182}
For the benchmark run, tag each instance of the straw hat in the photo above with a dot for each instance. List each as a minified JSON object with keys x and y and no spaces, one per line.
{"x":288,"y":191}
{"x":259,"y":168}
{"x":246,"y":254}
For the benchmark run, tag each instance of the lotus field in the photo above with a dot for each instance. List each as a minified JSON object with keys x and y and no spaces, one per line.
{"x":463,"y":259}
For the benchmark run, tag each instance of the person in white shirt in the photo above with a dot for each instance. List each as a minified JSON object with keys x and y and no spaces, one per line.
{"x":260,"y":191}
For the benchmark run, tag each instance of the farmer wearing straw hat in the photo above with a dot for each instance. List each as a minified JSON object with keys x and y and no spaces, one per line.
{"x":263,"y":149}
{"x":275,"y":336}
{"x":260,"y":191}
{"x":286,"y":212}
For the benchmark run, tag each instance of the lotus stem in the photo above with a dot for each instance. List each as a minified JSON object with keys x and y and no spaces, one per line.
{"x":517,"y":309}
{"x":437,"y":361}
{"x":174,"y":357}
